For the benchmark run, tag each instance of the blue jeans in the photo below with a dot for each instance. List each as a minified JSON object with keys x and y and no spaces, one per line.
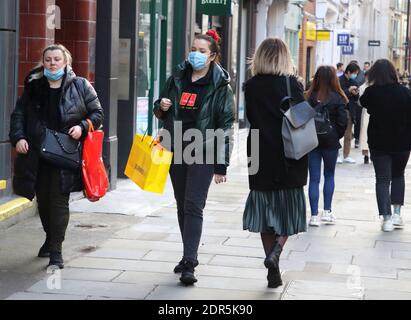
{"x":314,"y":164}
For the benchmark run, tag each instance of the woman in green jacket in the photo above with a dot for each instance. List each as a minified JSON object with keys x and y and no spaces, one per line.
{"x":196,"y":100}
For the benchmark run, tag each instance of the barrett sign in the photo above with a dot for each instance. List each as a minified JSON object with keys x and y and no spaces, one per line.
{"x":214,"y":7}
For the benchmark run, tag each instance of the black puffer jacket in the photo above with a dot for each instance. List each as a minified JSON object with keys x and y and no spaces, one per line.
{"x":78,"y":102}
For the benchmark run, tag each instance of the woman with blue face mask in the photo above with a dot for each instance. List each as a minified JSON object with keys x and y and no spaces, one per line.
{"x":196,"y":99}
{"x":54,"y":98}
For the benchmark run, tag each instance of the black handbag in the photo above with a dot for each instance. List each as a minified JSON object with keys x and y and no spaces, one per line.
{"x":60,"y":150}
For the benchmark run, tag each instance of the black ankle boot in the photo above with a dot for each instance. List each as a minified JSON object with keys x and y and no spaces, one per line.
{"x":179,"y":268}
{"x":274,"y":278}
{"x":273,"y":259}
{"x":56,"y":259}
{"x":44,"y":251}
{"x":272,"y":263}
{"x":187,"y":275}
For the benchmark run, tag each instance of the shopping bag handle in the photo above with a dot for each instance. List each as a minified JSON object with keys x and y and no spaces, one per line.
{"x":152,"y":141}
{"x":90,"y":126}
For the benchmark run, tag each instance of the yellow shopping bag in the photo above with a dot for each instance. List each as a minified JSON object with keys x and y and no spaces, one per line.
{"x":148,"y":164}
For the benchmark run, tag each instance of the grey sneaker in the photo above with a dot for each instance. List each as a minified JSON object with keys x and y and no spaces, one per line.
{"x":397,"y":221}
{"x":387,"y":226}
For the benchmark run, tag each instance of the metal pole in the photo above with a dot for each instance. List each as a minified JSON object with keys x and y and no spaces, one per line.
{"x":407,"y":47}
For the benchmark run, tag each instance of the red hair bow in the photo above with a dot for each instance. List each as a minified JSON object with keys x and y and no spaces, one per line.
{"x":213,"y":34}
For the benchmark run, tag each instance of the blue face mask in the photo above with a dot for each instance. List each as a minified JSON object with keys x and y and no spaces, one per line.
{"x":197,"y":60}
{"x":54,"y":76}
{"x":353,"y":76}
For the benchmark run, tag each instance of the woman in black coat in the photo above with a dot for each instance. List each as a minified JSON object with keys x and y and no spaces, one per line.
{"x":389,"y":138}
{"x":276,"y":206}
{"x":330,"y":101}
{"x":55,"y":98}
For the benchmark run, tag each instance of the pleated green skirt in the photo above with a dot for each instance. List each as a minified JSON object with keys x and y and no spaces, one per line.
{"x":280,"y":211}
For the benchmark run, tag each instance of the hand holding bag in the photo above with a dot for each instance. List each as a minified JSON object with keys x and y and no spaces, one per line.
{"x":60,"y":150}
{"x":298,"y":129}
{"x":94,"y":174}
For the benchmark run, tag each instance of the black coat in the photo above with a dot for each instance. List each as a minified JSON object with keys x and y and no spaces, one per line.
{"x":263,"y":94}
{"x":78,"y":102}
{"x":338,"y":118}
{"x":389,"y":107}
{"x":353,"y":99}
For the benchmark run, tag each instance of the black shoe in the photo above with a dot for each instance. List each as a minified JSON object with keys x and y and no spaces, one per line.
{"x":187,"y":275}
{"x":274,"y":278}
{"x":273,"y":259}
{"x":272,"y":263}
{"x":366,"y":160}
{"x":56,"y":259}
{"x":44,"y":251}
{"x":179,"y":268}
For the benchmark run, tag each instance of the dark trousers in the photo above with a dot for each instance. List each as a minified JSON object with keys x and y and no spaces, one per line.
{"x":191,"y":184}
{"x":389,"y":171}
{"x":53,"y":206}
{"x":357,"y":126}
{"x":315,"y":158}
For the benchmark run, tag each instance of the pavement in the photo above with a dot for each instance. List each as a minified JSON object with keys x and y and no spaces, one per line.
{"x":126,"y":246}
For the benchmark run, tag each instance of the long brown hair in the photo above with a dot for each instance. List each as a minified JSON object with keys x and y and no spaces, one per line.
{"x":324,"y":83}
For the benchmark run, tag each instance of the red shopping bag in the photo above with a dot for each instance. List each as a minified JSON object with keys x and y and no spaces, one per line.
{"x":95,"y":179}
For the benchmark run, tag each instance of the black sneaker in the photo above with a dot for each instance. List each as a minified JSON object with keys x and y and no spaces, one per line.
{"x":366,"y":160}
{"x":187,"y":275}
{"x":56,"y":259}
{"x":179,"y":268}
{"x":44,"y":251}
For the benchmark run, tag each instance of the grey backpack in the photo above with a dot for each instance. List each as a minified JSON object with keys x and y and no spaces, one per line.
{"x":298,"y":130}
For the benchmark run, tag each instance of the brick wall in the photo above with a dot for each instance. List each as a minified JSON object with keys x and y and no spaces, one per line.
{"x":77,"y":33}
{"x":305,"y":44}
{"x":34,"y":35}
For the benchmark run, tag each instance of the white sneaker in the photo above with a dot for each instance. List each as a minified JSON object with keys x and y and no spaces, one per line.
{"x":328,"y":217}
{"x":397,"y":221}
{"x":314,"y":221}
{"x":339,"y":160}
{"x":349,"y":160}
{"x":387,"y":226}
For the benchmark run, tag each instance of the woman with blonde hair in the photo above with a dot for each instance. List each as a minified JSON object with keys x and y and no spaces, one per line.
{"x":55,"y":99}
{"x":276,"y":205}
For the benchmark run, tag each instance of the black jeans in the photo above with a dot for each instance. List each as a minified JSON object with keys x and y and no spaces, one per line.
{"x":389,"y":171}
{"x":191,"y":184}
{"x":53,"y":205}
{"x":357,"y":126}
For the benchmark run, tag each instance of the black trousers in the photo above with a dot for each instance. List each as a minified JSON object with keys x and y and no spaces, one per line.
{"x":357,"y":126}
{"x":389,"y":171}
{"x":191,"y":184}
{"x":53,"y":205}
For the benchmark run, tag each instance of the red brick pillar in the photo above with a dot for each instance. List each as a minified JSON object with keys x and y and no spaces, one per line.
{"x":78,"y":34}
{"x":34,"y":35}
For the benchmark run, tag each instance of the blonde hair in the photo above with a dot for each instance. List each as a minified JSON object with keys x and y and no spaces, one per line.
{"x":272,"y":57}
{"x":67,"y":58}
